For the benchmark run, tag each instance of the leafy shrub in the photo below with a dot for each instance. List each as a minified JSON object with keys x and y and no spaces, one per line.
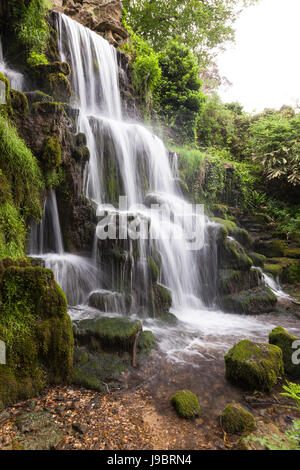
{"x":180,"y":97}
{"x":36,"y":58}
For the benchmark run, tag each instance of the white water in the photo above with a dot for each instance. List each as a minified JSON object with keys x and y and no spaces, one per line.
{"x":15,"y":78}
{"x":138,"y":154}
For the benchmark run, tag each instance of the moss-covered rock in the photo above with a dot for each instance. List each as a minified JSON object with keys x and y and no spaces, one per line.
{"x":36,"y":329}
{"x":162,"y":299}
{"x":5,"y":102}
{"x":116,"y":334}
{"x":51,"y":153}
{"x":154,"y":270}
{"x":271,"y":248}
{"x":288,"y":269}
{"x":236,"y":420}
{"x":186,"y":404}
{"x":254,"y":366}
{"x":59,"y":87}
{"x":274,"y":269}
{"x":146,"y":342}
{"x":19,"y":104}
{"x":292,"y":253}
{"x":232,"y":255}
{"x":281,"y":338}
{"x":258,"y":259}
{"x":231,"y":281}
{"x":253,"y":302}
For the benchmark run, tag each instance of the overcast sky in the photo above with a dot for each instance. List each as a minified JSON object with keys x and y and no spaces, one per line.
{"x":264,"y":65}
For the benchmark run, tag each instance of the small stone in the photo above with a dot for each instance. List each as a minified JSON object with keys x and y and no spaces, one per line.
{"x":78,"y":427}
{"x":4,"y":416}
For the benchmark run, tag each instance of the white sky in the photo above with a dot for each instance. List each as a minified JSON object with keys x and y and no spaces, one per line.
{"x":264,"y":64}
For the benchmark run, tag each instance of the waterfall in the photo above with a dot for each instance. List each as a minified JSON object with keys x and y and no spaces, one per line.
{"x":15,"y":78}
{"x":76,"y":275}
{"x":136,"y":160}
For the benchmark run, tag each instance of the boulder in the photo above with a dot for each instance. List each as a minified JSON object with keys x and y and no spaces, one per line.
{"x":254,"y":301}
{"x":36,"y":329}
{"x":254,"y":366}
{"x":186,"y":404}
{"x":38,"y":431}
{"x":281,"y":338}
{"x":236,"y":420}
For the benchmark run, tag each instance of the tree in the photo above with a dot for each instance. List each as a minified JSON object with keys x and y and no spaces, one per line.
{"x":275,"y":144}
{"x":201,"y":25}
{"x":180,"y":96}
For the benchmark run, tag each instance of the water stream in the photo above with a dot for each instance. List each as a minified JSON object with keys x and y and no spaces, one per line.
{"x":142,"y":171}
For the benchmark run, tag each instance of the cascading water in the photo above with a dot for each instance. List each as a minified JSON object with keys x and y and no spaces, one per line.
{"x":76,"y":275}
{"x":138,"y":158}
{"x":126,"y":159}
{"x":15,"y":78}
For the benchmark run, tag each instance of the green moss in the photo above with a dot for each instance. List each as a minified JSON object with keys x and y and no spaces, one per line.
{"x":154,"y":271}
{"x":254,"y":366}
{"x":258,"y":259}
{"x":232,"y":281}
{"x":292,"y":253}
{"x":254,"y":301}
{"x":52,"y":153}
{"x":229,"y":224}
{"x":281,"y":338}
{"x":236,"y":420}
{"x":36,"y":329}
{"x":274,"y":269}
{"x":242,"y":236}
{"x":12,"y":231}
{"x":232,"y":255}
{"x":162,"y":300}
{"x":146,"y":342}
{"x":291,"y":273}
{"x":186,"y":404}
{"x":108,"y":333}
{"x":271,"y":248}
{"x":19,"y":104}
{"x":5,"y":107}
{"x":60,"y":87}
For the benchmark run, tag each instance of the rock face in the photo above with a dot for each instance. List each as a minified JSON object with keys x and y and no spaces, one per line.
{"x":102,"y":16}
{"x":254,"y":366}
{"x":281,"y":338}
{"x":36,"y":329}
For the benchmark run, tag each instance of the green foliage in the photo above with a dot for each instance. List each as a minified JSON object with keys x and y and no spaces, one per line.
{"x":291,"y":439}
{"x":224,"y":126}
{"x":201,"y":26}
{"x":181,"y":100}
{"x":33,"y":30}
{"x":36,"y":58}
{"x":146,"y":68}
{"x":12,"y":232}
{"x":21,"y":170}
{"x":275,"y":144}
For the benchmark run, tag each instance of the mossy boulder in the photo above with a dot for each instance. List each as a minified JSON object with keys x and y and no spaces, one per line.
{"x":19,"y":104}
{"x":229,"y":224}
{"x":252,"y":302}
{"x":254,"y":366}
{"x":37,"y":430}
{"x":59,"y":87}
{"x":162,"y":300}
{"x":146,"y":342}
{"x":271,"y":248}
{"x":105,"y":333}
{"x":288,"y":269}
{"x":274,"y":269}
{"x":258,"y":259}
{"x":292,"y":253}
{"x":281,"y":338}
{"x":232,"y":255}
{"x":36,"y":329}
{"x":231,"y":281}
{"x":52,"y":153}
{"x":236,"y":420}
{"x":186,"y":404}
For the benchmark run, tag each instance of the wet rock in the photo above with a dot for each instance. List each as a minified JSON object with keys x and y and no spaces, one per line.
{"x":252,"y":301}
{"x":4,"y":416}
{"x":254,"y":366}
